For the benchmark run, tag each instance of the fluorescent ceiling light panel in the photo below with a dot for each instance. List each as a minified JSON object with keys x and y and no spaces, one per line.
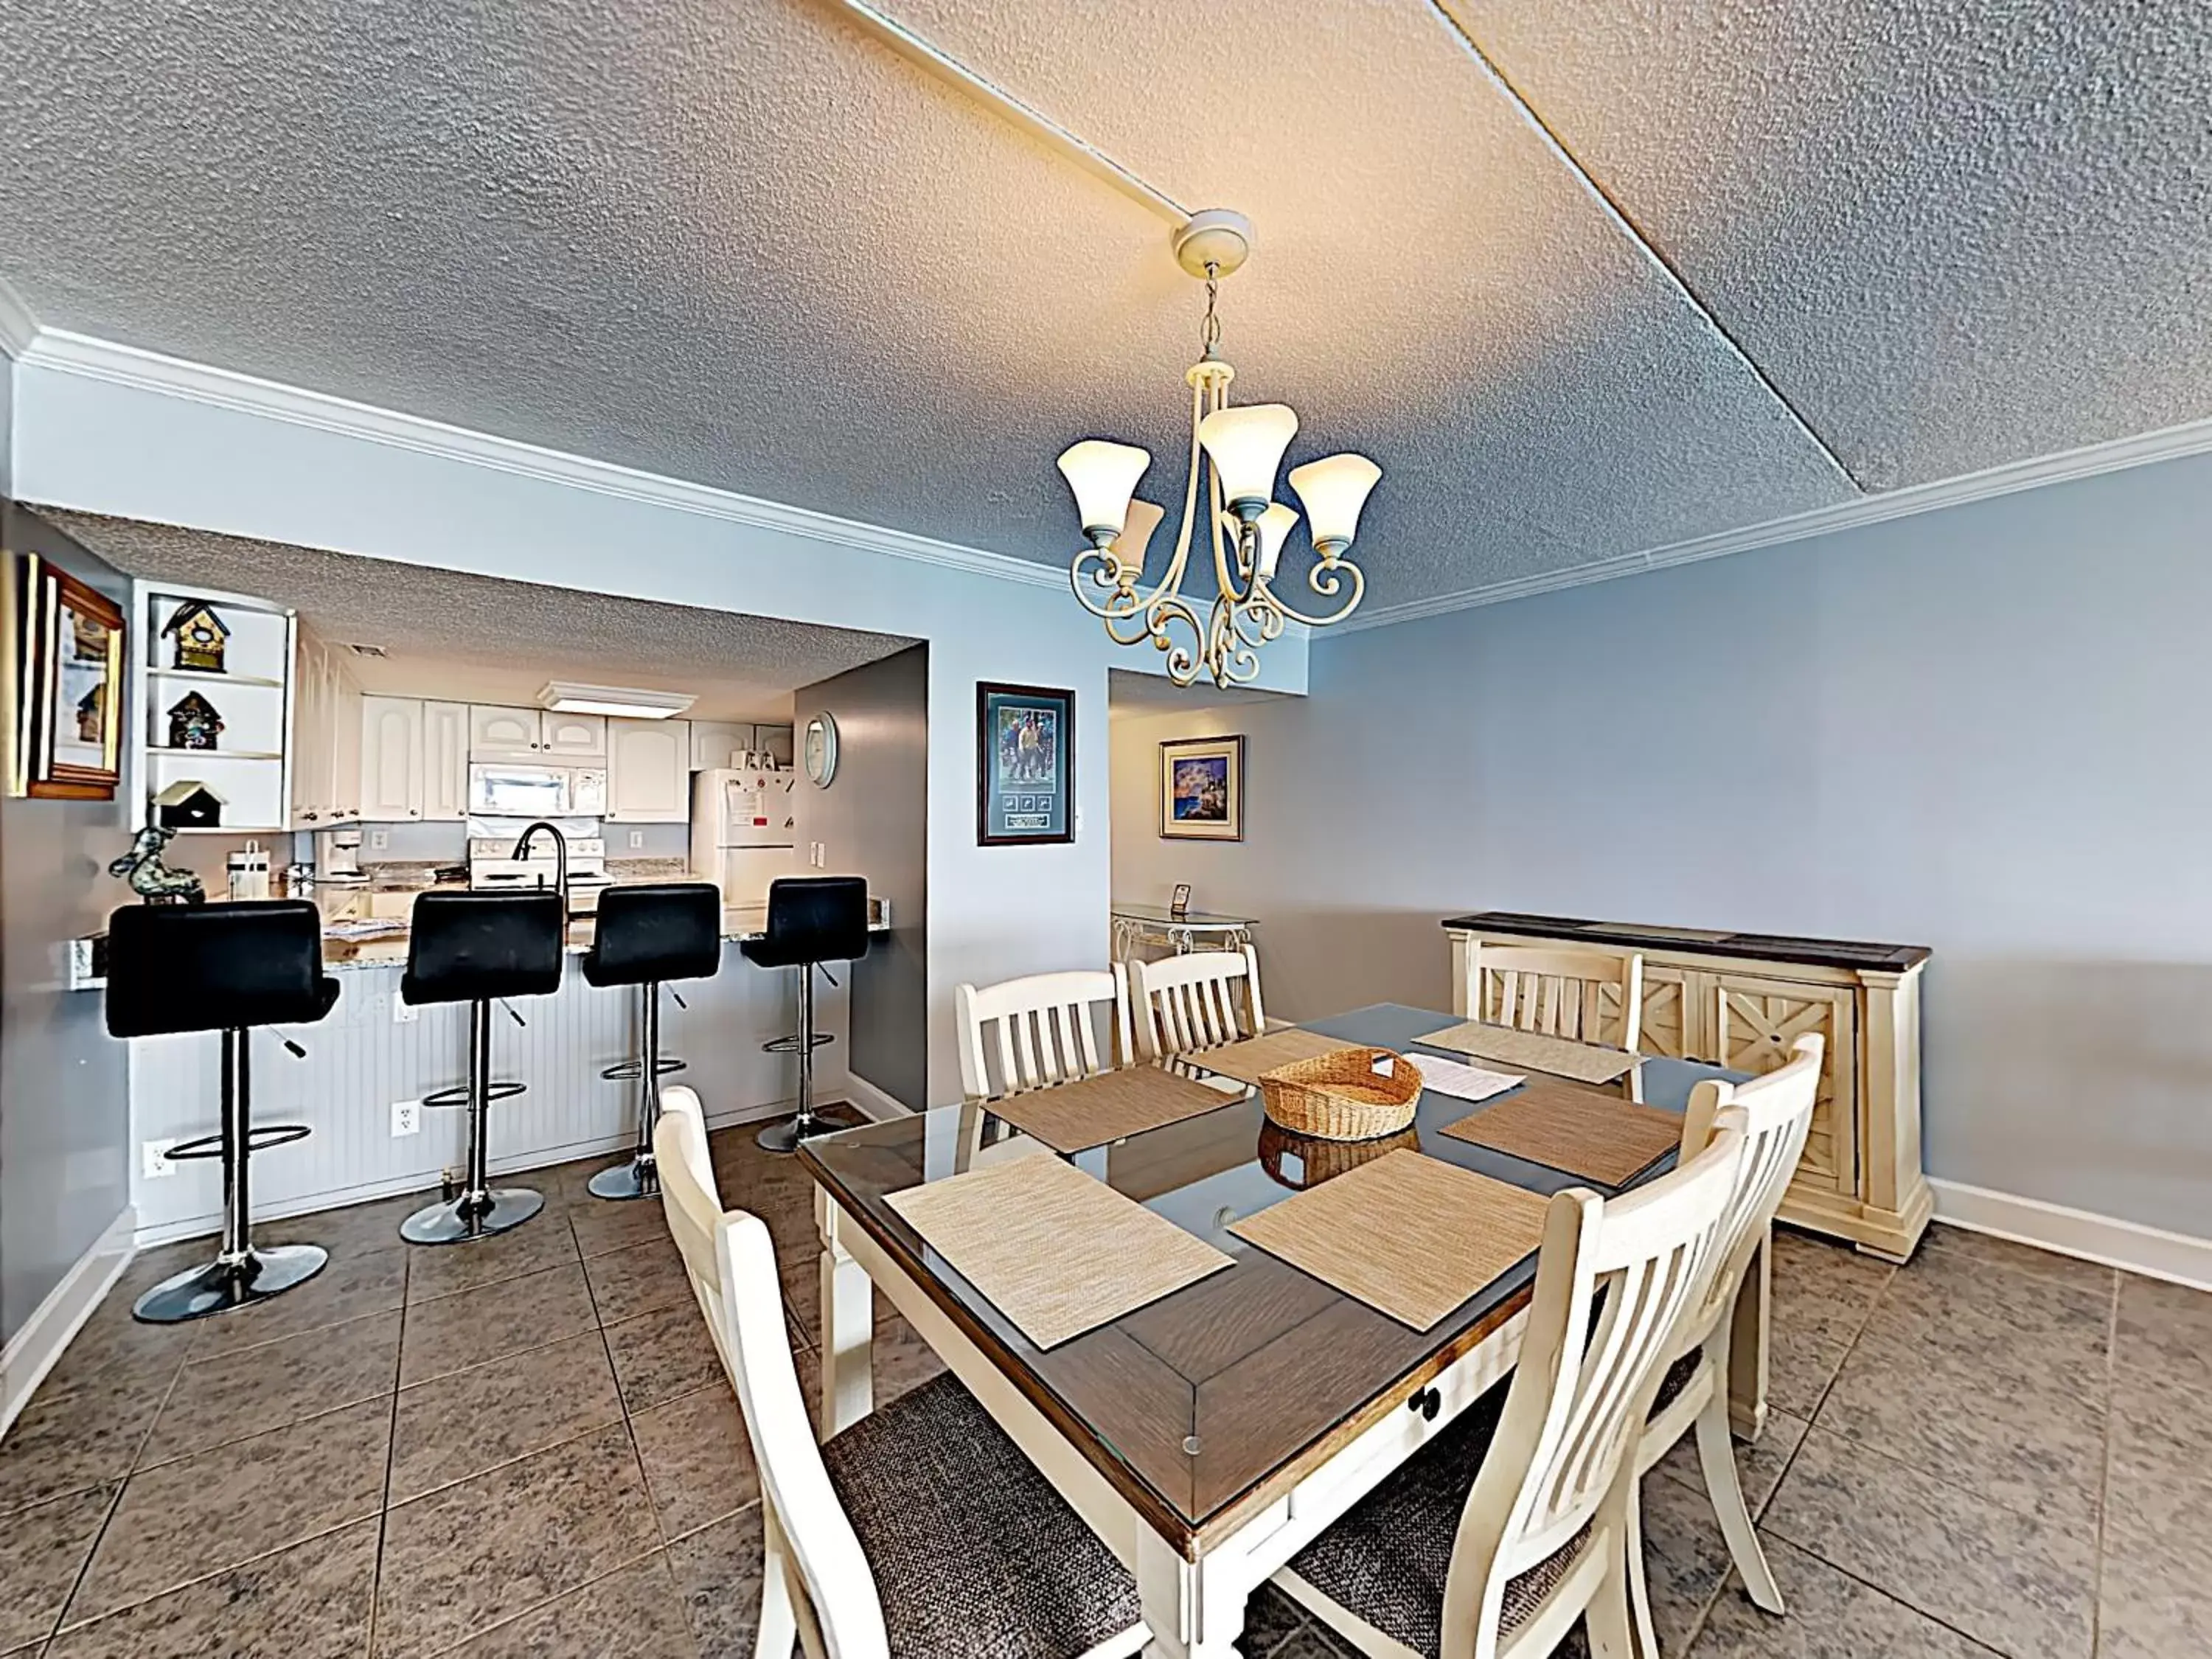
{"x":563,"y":698}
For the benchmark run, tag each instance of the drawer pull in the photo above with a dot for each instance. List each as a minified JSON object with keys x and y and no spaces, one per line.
{"x":1428,"y":1402}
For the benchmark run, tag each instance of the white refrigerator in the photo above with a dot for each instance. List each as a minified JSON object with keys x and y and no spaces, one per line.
{"x":743,"y":828}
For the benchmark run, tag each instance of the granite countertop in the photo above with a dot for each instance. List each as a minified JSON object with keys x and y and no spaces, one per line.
{"x":1700,"y":941}
{"x":389,"y":949}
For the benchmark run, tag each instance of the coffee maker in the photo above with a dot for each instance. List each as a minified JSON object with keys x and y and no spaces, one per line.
{"x":337,"y":858}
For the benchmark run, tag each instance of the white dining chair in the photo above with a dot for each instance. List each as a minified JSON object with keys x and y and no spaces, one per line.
{"x":1559,"y":991}
{"x":1777,"y":1110}
{"x":1201,"y":1000}
{"x":1495,"y":1538}
{"x":1041,"y":1029}
{"x":919,"y":1530}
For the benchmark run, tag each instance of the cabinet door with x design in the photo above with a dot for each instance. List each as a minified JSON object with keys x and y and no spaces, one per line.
{"x":1755,"y":1023}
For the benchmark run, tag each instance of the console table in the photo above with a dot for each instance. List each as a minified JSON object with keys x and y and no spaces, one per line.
{"x":1740,"y":1001}
{"x":1136,"y":926}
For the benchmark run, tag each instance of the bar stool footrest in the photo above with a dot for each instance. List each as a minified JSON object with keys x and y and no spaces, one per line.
{"x":626,"y":1071}
{"x":458,"y":1094}
{"x":259,"y":1139}
{"x":788,"y":1043}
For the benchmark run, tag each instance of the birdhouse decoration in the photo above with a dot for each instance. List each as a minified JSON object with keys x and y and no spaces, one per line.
{"x":193,"y":723}
{"x":200,"y":635}
{"x":188,"y":804}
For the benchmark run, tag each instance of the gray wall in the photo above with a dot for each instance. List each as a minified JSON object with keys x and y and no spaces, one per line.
{"x":1983,"y":730}
{"x":65,"y":1116}
{"x":873,"y":820}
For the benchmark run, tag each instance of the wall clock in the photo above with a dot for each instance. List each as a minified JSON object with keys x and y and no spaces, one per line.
{"x":818,"y":750}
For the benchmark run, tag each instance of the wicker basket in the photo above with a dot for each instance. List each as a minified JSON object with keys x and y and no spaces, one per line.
{"x":1298,"y":1161}
{"x":1340,"y":1096}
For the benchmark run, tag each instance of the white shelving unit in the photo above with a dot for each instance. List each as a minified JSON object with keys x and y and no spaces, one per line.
{"x":254,"y":698}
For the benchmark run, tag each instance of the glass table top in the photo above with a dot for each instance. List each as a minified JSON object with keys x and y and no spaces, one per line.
{"x":1166,"y":916}
{"x":1199,"y":1398}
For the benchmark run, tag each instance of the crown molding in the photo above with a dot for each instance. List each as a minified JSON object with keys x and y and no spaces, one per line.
{"x":18,"y":327}
{"x":62,"y":352}
{"x":2171,"y":443}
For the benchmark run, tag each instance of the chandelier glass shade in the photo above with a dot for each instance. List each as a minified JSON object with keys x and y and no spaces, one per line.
{"x":1235,"y":452}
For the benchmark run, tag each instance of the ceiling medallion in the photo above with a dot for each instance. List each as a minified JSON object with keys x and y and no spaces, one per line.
{"x":1239,"y":449}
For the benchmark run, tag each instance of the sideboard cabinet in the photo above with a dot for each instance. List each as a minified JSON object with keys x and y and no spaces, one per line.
{"x":1740,"y":1001}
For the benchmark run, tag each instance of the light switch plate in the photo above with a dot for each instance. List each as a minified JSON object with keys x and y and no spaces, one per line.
{"x":637,"y":839}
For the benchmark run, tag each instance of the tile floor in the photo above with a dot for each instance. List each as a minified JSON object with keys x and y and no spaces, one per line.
{"x":525,"y":1447}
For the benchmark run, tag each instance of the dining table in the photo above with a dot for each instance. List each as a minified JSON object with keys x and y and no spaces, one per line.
{"x":1210,"y":1435}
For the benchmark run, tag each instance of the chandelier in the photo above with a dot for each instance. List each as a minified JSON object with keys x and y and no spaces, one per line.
{"x":1238,"y":450}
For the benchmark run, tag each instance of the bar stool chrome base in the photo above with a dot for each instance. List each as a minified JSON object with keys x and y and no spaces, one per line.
{"x":472,"y":1216}
{"x":639,"y":1178}
{"x":785,"y":1136}
{"x":265,"y":1270}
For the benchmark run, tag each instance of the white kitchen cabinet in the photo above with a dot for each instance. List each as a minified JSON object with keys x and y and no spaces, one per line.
{"x":392,"y":759}
{"x":504,"y":734}
{"x":714,"y":742}
{"x":327,"y":752}
{"x":648,"y":771}
{"x":572,"y":736}
{"x":445,"y":761}
{"x":345,"y":742}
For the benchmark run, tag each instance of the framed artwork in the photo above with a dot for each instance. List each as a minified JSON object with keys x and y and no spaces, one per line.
{"x":1202,"y":789}
{"x":1024,"y":765}
{"x":69,"y":676}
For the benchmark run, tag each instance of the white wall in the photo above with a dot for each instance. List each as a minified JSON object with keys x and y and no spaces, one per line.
{"x":134,"y":438}
{"x":1984,"y":730}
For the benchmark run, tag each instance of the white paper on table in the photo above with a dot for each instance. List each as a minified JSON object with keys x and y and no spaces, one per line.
{"x":1452,"y":1077}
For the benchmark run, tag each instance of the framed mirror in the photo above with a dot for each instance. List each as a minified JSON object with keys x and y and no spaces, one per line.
{"x":817,"y":748}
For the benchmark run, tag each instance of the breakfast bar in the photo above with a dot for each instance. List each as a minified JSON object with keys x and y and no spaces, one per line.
{"x":369,"y":1064}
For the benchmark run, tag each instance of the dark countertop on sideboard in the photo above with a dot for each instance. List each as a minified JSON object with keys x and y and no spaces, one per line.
{"x":1700,"y":941}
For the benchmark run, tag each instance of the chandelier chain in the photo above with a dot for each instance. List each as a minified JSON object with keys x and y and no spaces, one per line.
{"x":1210,"y":335}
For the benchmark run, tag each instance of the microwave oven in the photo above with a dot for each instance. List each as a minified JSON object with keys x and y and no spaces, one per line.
{"x":525,"y":791}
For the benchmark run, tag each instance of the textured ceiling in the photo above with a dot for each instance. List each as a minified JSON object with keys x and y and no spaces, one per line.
{"x":747,"y":244}
{"x":1953,"y":233}
{"x":476,"y":639}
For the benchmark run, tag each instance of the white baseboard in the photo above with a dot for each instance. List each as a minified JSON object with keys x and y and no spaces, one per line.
{"x":31,"y":1351}
{"x":871,"y":1100}
{"x":2151,"y":1251}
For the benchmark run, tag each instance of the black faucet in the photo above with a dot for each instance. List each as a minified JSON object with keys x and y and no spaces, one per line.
{"x":560,"y":858}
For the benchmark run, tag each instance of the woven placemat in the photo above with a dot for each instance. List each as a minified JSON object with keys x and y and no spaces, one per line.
{"x":1570,"y":1127}
{"x":1055,"y":1251}
{"x":1245,"y":1060}
{"x":1073,"y":1117}
{"x":1585,"y":1062}
{"x":1410,"y":1236}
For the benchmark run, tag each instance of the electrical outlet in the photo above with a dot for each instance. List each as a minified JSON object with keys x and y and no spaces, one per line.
{"x":404,"y":1012}
{"x":378,"y":840}
{"x":157,"y":1166}
{"x":637,"y":839}
{"x":406,"y":1118}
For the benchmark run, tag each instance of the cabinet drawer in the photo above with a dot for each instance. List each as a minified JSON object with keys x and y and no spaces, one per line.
{"x":1756,"y":1020}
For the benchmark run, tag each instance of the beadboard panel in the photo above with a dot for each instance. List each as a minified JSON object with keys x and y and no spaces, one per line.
{"x":360,"y":1060}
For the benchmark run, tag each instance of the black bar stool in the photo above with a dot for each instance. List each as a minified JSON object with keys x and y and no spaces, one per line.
{"x":224,"y":968}
{"x":811,"y":920}
{"x":478,"y":948}
{"x":646,"y":936}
